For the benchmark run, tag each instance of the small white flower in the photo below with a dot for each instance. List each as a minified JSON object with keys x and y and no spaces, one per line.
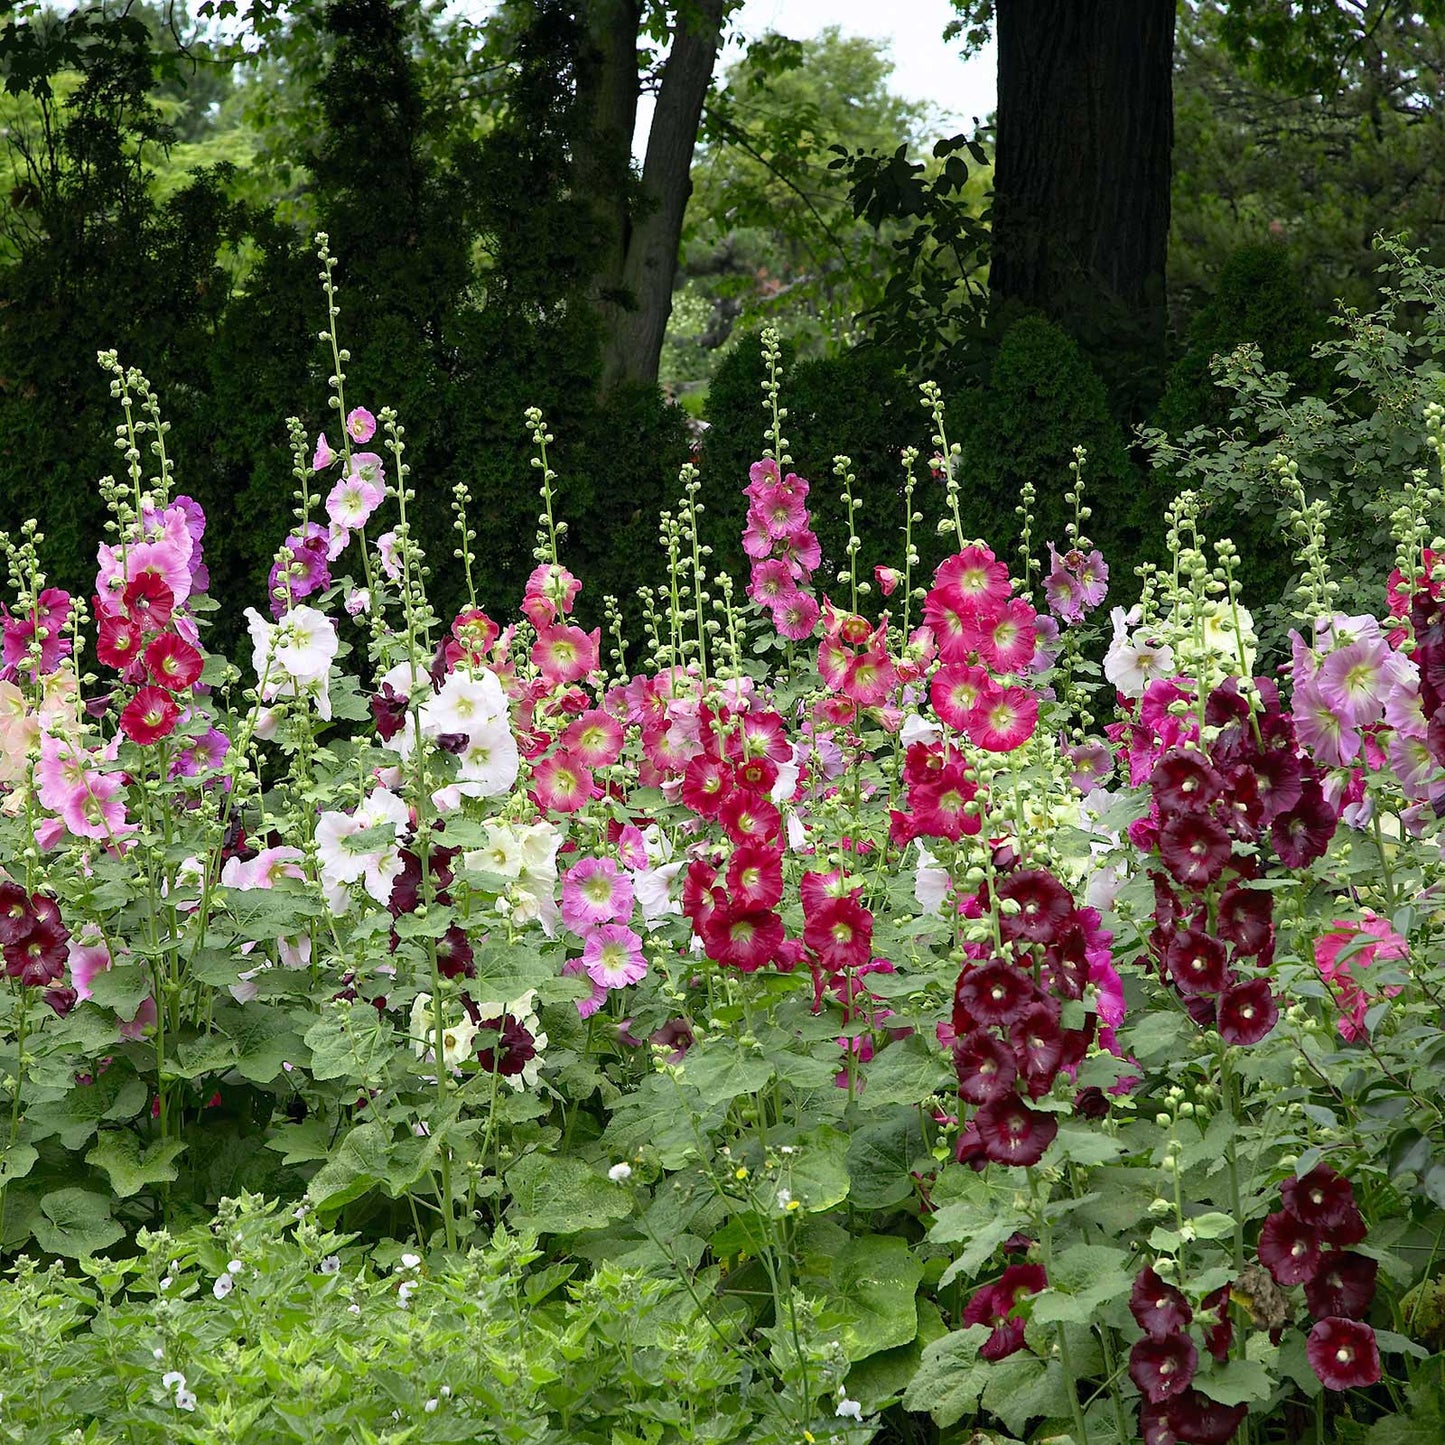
{"x":410,"y":1261}
{"x":185,"y":1400}
{"x":405,"y":1292}
{"x":620,"y":1173}
{"x":331,"y":1264}
{"x":172,"y":1378}
{"x":849,"y":1409}
{"x":446,"y":1392}
{"x":223,"y":1286}
{"x":431,"y":1406}
{"x":785,"y":1198}
{"x":353,"y":1309}
{"x":158,"y":1354}
{"x":166,"y":1283}
{"x":235,"y":1267}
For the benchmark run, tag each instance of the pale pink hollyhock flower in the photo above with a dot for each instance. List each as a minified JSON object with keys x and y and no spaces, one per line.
{"x":1321,"y":730}
{"x":264,"y":870}
{"x":613,"y":957}
{"x":18,"y":732}
{"x":352,"y":500}
{"x":360,"y":425}
{"x":342,"y":864}
{"x":586,"y":1007}
{"x":294,"y":952}
{"x":1355,"y":681}
{"x":386,"y":551}
{"x":324,"y":456}
{"x":145,"y":1018}
{"x":86,"y":956}
{"x":561,"y":785}
{"x":96,"y":812}
{"x":595,"y":891}
{"x":1341,"y":955}
{"x":358,"y":600}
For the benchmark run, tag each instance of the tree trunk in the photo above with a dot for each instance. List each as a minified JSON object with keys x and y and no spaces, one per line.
{"x":1081,"y":177}
{"x":635,"y":284}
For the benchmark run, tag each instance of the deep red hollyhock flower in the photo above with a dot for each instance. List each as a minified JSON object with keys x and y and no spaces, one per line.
{"x":994,"y":1305}
{"x":1219,"y":1335}
{"x":149,"y":716}
{"x":1154,"y":1426}
{"x":840,"y":932}
{"x":1196,"y":962}
{"x":755,"y":876}
{"x":1198,"y":1420}
{"x":1247,"y":1012}
{"x":1038,"y":1044}
{"x":1184,"y":782}
{"x":512,"y":1049}
{"x":119,"y":641}
{"x":1045,"y":905}
{"x":148,"y":602}
{"x":1279,"y":779}
{"x":39,"y":957}
{"x":1163,"y":1368}
{"x":17,"y":916}
{"x":388,"y":711}
{"x":940,"y":804}
{"x":454,"y":954}
{"x":1343,"y":1353}
{"x":172,"y":662}
{"x":697,"y":892}
{"x":1343,"y":1286}
{"x":61,"y":999}
{"x":744,"y":941}
{"x":970,"y":1150}
{"x":1325,"y":1201}
{"x":1245,"y":919}
{"x":1012,"y":1133}
{"x":985,"y":1066}
{"x":1091,"y":1103}
{"x":1289,"y":1248}
{"x":1241,"y":810}
{"x":705,"y":783}
{"x":996,"y":992}
{"x":745,"y":815}
{"x":1194,"y":849}
{"x":1303,"y":834}
{"x":1158,"y":1308}
{"x":757,"y":775}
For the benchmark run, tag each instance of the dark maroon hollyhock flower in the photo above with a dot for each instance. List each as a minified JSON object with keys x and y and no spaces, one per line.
{"x":454,"y":954}
{"x":1017,"y":1243}
{"x":1202,"y":1009}
{"x":1226,"y":704}
{"x":1168,"y":911}
{"x":39,"y":957}
{"x":1158,"y":1308}
{"x":453,"y":743}
{"x":1288,"y":1248}
{"x":511,"y":1052}
{"x":16,"y":914}
{"x":676,"y":1036}
{"x":1091,"y":1103}
{"x":1076,"y":1042}
{"x":1343,"y":1286}
{"x":1322,"y":1198}
{"x":1241,"y":810}
{"x":1343,"y":1353}
{"x":994,"y":1306}
{"x":1198,"y":1420}
{"x":1044,"y":905}
{"x":985,"y":1067}
{"x":1278,"y":777}
{"x":1012,"y":1133}
{"x":1245,"y":919}
{"x":1154,"y":1426}
{"x":1303,"y":834}
{"x":1196,"y":962}
{"x":61,"y":999}
{"x":1247,"y":1012}
{"x":970,"y":1148}
{"x":1194,"y":849}
{"x":1163,"y":1368}
{"x":1038,"y":1044}
{"x":995,"y":993}
{"x":1184,"y":782}
{"x":1219,"y":1335}
{"x":388,"y":711}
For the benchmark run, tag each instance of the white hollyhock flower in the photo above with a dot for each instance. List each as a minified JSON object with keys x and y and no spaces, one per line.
{"x":930,"y":882}
{"x":490,"y":762}
{"x":293,"y":657}
{"x":343,"y":862}
{"x":465,"y":704}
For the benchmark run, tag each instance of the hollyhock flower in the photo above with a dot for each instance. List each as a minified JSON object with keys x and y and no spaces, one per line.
{"x":771,"y":582}
{"x":465,"y":703}
{"x":1348,"y":948}
{"x":1289,"y":1248}
{"x":390,"y":558}
{"x":1303,"y":834}
{"x":1163,"y":1367}
{"x":1356,"y":680}
{"x":840,"y":932}
{"x":978,"y":581}
{"x":746,"y":815}
{"x":594,"y":738}
{"x":1244,"y":919}
{"x":39,"y":957}
{"x":561,"y":785}
{"x":1004,"y":719}
{"x":1090,"y":763}
{"x":265,"y":870}
{"x":564,"y":654}
{"x":1195,"y":1419}
{"x":1196,"y":962}
{"x":1248,"y":1012}
{"x":995,"y":993}
{"x":1062,"y":593}
{"x":41,"y":634}
{"x":956,"y":691}
{"x":1325,"y":1201}
{"x":294,"y":655}
{"x":1004,"y":640}
{"x":1323,"y":731}
{"x":351,"y":502}
{"x":1343,"y":1286}
{"x":1039,"y":1045}
{"x":1158,"y":1308}
{"x":985,"y":1066}
{"x":887,"y":579}
{"x":149,"y":716}
{"x":613,"y":957}
{"x":118,"y":643}
{"x":517,"y":1042}
{"x":1194,"y":849}
{"x":994,"y":1305}
{"x":148,"y":601}
{"x":743,"y":940}
{"x":488,"y":763}
{"x":1183,"y":780}
{"x":1013,"y":1133}
{"x":755,"y":876}
{"x":795,"y":617}
{"x":301,"y":567}
{"x":344,"y":861}
{"x":172,"y":662}
{"x":323,"y":456}
{"x":595,"y":891}
{"x":360,"y":425}
{"x":1135,"y":660}
{"x":17,"y":913}
{"x":1044,"y":905}
{"x":1343,"y":1353}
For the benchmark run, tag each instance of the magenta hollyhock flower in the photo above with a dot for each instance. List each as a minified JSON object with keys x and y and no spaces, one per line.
{"x":755,"y":875}
{"x":1343,"y":1286}
{"x":1013,"y":1133}
{"x":1004,"y":719}
{"x":1349,"y":948}
{"x":1004,"y":640}
{"x":1248,"y":1012}
{"x":771,"y":581}
{"x":560,"y":784}
{"x":613,"y":957}
{"x":955,"y":691}
{"x":1163,"y":1367}
{"x":887,"y":579}
{"x":594,"y":738}
{"x":1062,"y":593}
{"x":1158,"y":1308}
{"x":565,"y":654}
{"x":1343,"y":1353}
{"x":323,"y":456}
{"x":795,"y":617}
{"x":43,"y":628}
{"x":985,"y":1066}
{"x":1289,"y":1248}
{"x":1194,"y":848}
{"x":149,"y":716}
{"x":595,"y":891}
{"x":744,"y":816}
{"x":995,"y":1305}
{"x":977,"y":581}
{"x":995,"y":993}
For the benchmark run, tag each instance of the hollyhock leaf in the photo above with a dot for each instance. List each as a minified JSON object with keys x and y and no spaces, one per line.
{"x":951,"y":1377}
{"x":1083,"y":1278}
{"x":1393,"y":1344}
{"x":75,"y":1223}
{"x":262,"y":1038}
{"x":557,"y":1195}
{"x":1079,"y":1144}
{"x":1023,"y":1388}
{"x":817,"y":1173}
{"x":881,"y":1159}
{"x":721,"y":1074}
{"x":876,"y":1277}
{"x":122,"y":987}
{"x":16,"y":1162}
{"x":355,"y":1168}
{"x":881,"y":1379}
{"x":984,"y":1231}
{"x":114,"y":1096}
{"x":1237,"y":1383}
{"x":118,"y":1152}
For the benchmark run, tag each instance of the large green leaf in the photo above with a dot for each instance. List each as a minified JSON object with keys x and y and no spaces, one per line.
{"x":906,"y":1072}
{"x":1023,"y":1387}
{"x":349,"y":1043}
{"x":557,"y":1195}
{"x":951,"y":1377}
{"x":816,"y":1173}
{"x":877,"y":1277}
{"x":881,"y":1158}
{"x":1082,"y":1278}
{"x":722,"y":1073}
{"x":356,"y":1168}
{"x":113,"y":1096}
{"x":75,"y":1222}
{"x":118,"y":1152}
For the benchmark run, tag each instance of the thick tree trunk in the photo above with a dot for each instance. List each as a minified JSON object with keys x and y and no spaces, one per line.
{"x":635,"y":284}
{"x":1081,"y":175}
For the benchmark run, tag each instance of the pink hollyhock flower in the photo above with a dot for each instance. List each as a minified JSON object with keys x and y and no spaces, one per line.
{"x":955,"y":691}
{"x":360,"y":425}
{"x":167,"y":562}
{"x":386,"y":551}
{"x":351,"y":502}
{"x":594,"y":738}
{"x":613,"y":957}
{"x":550,"y":592}
{"x":1321,"y":730}
{"x":595,"y":891}
{"x":560,"y":784}
{"x":1356,"y":679}
{"x":795,"y":617}
{"x":300,"y":568}
{"x":771,"y":582}
{"x":802,"y":552}
{"x":86,"y":957}
{"x":264,"y":870}
{"x":43,"y":629}
{"x":1344,"y":952}
{"x":565,"y":654}
{"x":149,"y":716}
{"x":887,"y":579}
{"x":323,"y":455}
{"x":1004,"y":719}
{"x":840,"y":933}
{"x":1005,"y":639}
{"x":978,"y":581}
